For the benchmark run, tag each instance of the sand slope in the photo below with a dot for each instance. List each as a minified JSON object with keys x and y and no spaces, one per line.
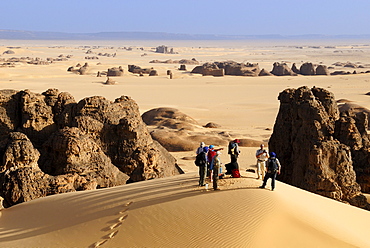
{"x":175,"y":212}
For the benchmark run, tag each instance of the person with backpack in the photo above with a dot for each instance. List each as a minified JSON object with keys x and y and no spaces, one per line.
{"x":215,"y":167}
{"x":262,"y":156}
{"x":273,"y":168}
{"x":200,"y":148}
{"x":233,"y":150}
{"x":201,"y":162}
{"x":210,"y":155}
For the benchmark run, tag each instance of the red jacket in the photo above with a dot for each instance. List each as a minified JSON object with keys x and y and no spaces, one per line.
{"x":211,"y":154}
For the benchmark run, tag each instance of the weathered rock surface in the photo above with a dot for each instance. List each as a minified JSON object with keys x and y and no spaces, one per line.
{"x":91,"y":144}
{"x":282,"y":69}
{"x":115,"y":72}
{"x":307,"y":69}
{"x":138,"y":70}
{"x":227,"y":68}
{"x":322,"y":70}
{"x":164,"y":49}
{"x":315,"y":145}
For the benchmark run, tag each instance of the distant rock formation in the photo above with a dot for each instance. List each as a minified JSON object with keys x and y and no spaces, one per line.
{"x":164,"y":49}
{"x":168,"y":117}
{"x":153,"y":73}
{"x":322,"y":70}
{"x":264,"y":72}
{"x":192,"y":61}
{"x":227,"y":68}
{"x":138,"y":70}
{"x":282,"y":69}
{"x":115,"y":72}
{"x":50,"y":144}
{"x":9,"y":52}
{"x":307,"y":69}
{"x":316,"y":147}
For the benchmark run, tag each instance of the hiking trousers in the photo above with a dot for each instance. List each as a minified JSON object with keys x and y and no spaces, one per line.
{"x":233,"y":158}
{"x":202,"y":174}
{"x":261,"y":169}
{"x":216,"y":170}
{"x":273,"y":178}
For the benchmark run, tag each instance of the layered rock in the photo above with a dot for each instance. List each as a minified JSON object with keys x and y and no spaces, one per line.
{"x":91,"y":144}
{"x":304,"y":139}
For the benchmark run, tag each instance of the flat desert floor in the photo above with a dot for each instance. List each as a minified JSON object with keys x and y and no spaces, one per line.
{"x":175,"y":212}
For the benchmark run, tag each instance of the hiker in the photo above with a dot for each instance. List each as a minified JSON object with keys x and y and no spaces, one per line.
{"x":262,"y":156}
{"x":200,"y":148}
{"x":215,"y":167}
{"x":234,"y":150}
{"x":211,"y":153}
{"x":273,"y":168}
{"x":201,"y":162}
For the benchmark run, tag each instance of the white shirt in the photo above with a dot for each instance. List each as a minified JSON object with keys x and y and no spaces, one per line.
{"x":263,"y":156}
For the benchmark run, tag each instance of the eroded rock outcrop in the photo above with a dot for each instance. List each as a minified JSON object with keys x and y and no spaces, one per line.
{"x":86,"y":145}
{"x":228,"y":68}
{"x":311,"y":149}
{"x":282,"y":69}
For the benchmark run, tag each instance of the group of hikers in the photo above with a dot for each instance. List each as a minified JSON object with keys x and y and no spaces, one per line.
{"x":209,"y":163}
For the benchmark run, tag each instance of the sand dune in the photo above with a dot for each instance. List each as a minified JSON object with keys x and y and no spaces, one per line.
{"x":175,"y":212}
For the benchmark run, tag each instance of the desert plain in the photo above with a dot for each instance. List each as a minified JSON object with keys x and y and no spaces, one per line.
{"x":175,"y":211}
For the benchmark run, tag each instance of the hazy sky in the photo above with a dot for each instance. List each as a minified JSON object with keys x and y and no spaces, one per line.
{"x":231,"y":17}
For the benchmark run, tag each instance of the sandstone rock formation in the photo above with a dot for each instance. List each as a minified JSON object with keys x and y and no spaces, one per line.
{"x":264,"y":72}
{"x":138,"y":70}
{"x":164,"y":49}
{"x":153,"y":73}
{"x":168,"y":117}
{"x":192,"y":61}
{"x":315,"y":145}
{"x":50,"y":144}
{"x":307,"y":69}
{"x":115,"y":72}
{"x":282,"y":69}
{"x":322,"y":70}
{"x":177,"y":131}
{"x":227,"y":68}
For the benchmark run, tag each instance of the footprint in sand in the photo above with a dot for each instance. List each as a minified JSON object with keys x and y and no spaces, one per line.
{"x":128,"y":203}
{"x":100,"y":243}
{"x":118,"y":224}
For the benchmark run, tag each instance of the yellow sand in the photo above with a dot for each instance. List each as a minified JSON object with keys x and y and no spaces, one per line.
{"x":175,"y":212}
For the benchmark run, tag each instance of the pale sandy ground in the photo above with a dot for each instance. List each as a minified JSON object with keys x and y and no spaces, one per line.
{"x":175,"y":212}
